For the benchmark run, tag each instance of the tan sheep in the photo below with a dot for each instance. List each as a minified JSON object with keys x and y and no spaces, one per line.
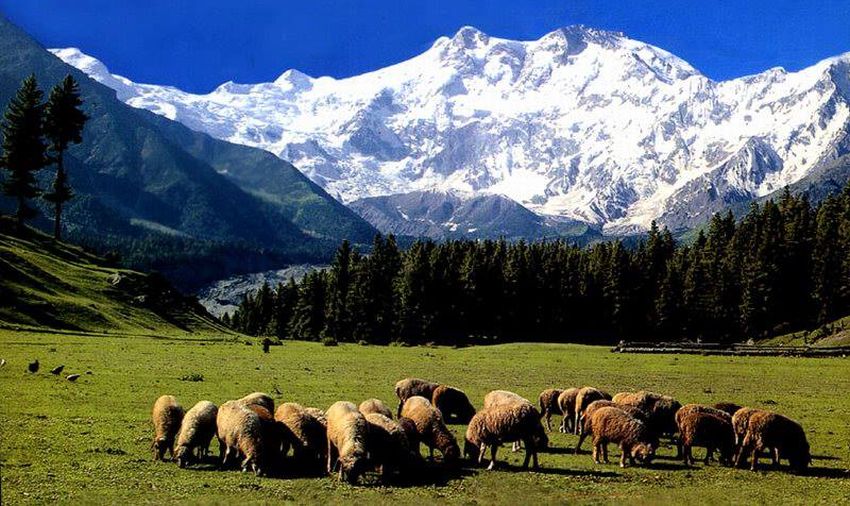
{"x":196,"y":432}
{"x":502,"y":397}
{"x":584,"y":428}
{"x":549,"y":406}
{"x":347,"y":435}
{"x":453,"y":404}
{"x":740,"y":421}
{"x":167,"y":415}
{"x":584,"y":397}
{"x":786,"y":438}
{"x":567,"y":405}
{"x":410,"y":387}
{"x":304,"y":433}
{"x":613,"y":425}
{"x":388,"y":446}
{"x":240,"y":434}
{"x":430,"y":428}
{"x":505,"y":423}
{"x":259,"y":399}
{"x":318,"y":414}
{"x":374,"y":406}
{"x":709,"y":428}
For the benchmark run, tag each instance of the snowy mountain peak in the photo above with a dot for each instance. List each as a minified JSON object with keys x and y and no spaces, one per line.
{"x":580,"y":124}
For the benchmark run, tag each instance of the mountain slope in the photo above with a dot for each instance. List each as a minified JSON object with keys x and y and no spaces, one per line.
{"x":52,"y":285}
{"x":138,"y":174}
{"x":581,"y":124}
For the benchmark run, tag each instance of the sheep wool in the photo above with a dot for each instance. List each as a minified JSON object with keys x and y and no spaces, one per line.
{"x":430,"y":427}
{"x":347,"y":434}
{"x":453,"y":404}
{"x":613,"y":425}
{"x":411,"y":387}
{"x":240,"y":434}
{"x":505,"y":423}
{"x":167,"y":415}
{"x":196,"y":432}
{"x":374,"y":406}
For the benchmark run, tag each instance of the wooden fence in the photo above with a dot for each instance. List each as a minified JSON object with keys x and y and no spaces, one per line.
{"x":741,"y":350}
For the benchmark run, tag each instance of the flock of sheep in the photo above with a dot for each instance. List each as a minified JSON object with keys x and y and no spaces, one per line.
{"x":351,"y":439}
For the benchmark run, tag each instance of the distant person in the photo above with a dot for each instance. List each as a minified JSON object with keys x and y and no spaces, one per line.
{"x":266,"y":344}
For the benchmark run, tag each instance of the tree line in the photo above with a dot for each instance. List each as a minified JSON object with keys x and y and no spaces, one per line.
{"x":784,"y":266}
{"x":36,"y":135}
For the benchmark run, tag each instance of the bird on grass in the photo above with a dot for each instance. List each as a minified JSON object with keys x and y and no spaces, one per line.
{"x":33,"y":366}
{"x":72,"y":377}
{"x":56,"y":371}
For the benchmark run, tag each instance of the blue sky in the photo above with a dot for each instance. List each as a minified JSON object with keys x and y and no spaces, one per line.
{"x":198,"y":44}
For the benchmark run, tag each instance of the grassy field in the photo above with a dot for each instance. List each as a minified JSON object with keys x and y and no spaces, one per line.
{"x":89,"y":441}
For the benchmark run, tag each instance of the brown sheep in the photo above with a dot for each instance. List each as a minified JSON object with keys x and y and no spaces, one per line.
{"x":430,"y":428}
{"x":740,"y":421}
{"x":258,"y":399}
{"x":613,"y":425}
{"x":584,"y":428}
{"x":304,"y":433}
{"x":502,"y":397}
{"x":453,"y":404}
{"x":240,"y":433}
{"x":388,"y":446}
{"x":167,"y":415}
{"x":318,"y":414}
{"x":548,"y":400}
{"x":584,"y":397}
{"x":660,"y":408}
{"x":567,"y":405}
{"x":409,"y":428}
{"x":505,"y":423}
{"x":196,"y":432}
{"x":786,"y":437}
{"x":727,"y":407}
{"x":410,"y":387}
{"x":709,"y":428}
{"x":347,"y":435}
{"x":375,"y":406}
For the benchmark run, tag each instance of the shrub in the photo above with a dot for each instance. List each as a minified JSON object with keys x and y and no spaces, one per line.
{"x":329,"y":341}
{"x":192,"y":377}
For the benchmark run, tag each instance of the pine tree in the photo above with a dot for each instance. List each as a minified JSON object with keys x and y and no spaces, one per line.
{"x":63,"y":125}
{"x":23,"y":147}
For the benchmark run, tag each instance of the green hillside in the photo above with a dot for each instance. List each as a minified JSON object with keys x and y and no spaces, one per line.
{"x":49,"y":285}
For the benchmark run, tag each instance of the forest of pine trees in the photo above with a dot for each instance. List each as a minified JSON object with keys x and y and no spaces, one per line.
{"x":785,"y":266}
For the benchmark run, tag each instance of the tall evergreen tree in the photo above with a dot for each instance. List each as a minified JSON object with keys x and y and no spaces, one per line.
{"x":63,"y":125}
{"x":23,"y":147}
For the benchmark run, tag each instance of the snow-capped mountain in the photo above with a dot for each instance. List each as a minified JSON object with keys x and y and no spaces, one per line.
{"x":581,"y":124}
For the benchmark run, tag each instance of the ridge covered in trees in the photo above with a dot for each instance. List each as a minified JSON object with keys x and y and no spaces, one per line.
{"x":785,"y":266}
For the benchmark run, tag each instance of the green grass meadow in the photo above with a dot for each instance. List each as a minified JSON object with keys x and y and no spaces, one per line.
{"x":88,"y":442}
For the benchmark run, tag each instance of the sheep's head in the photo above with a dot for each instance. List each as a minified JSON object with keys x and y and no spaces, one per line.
{"x":451,"y":453}
{"x":540,"y":439}
{"x":643,"y":453}
{"x":352,"y":466}
{"x":799,"y":457}
{"x":160,"y":445}
{"x":183,"y":456}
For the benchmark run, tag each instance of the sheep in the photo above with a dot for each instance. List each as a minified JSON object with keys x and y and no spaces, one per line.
{"x":304,"y":432}
{"x":505,"y":423}
{"x":660,"y":408}
{"x":548,"y":400}
{"x":409,"y":428}
{"x":240,"y":432}
{"x":687,"y":410}
{"x":259,"y":399}
{"x":584,"y":397}
{"x":318,"y":414}
{"x":727,"y":407}
{"x":783,"y":435}
{"x":388,"y":445}
{"x":740,"y":421}
{"x":196,"y":432}
{"x":613,"y":425}
{"x":374,"y":406}
{"x":602,"y":403}
{"x":453,"y":404}
{"x":347,"y":435}
{"x":567,"y":405}
{"x":430,"y":428}
{"x":505,"y":397}
{"x":167,"y":415}
{"x":276,"y":441}
{"x":710,"y":428}
{"x":410,"y":387}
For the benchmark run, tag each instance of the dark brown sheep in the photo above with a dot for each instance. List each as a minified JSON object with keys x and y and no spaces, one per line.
{"x":430,"y":427}
{"x":548,"y":400}
{"x":729,"y":408}
{"x":584,"y":426}
{"x":710,"y":430}
{"x":786,"y":437}
{"x":453,"y":404}
{"x":410,"y":387}
{"x":613,"y":425}
{"x":388,"y":446}
{"x":304,"y":432}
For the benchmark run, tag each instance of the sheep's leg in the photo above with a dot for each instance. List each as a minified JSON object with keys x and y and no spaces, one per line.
{"x":562,"y":428}
{"x":686,"y":454}
{"x":622,"y":455}
{"x":708,"y":454}
{"x":605,"y":452}
{"x":331,"y":457}
{"x":595,"y":452}
{"x":756,"y":450}
{"x":548,"y":423}
{"x":481,"y":453}
{"x":493,"y":450}
{"x":775,"y":455}
{"x":529,"y":449}
{"x":575,"y":425}
{"x":580,"y":441}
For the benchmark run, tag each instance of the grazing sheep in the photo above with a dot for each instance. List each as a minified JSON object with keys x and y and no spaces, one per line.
{"x":740,"y":421}
{"x":660,"y":408}
{"x":409,"y":428}
{"x":727,"y":407}
{"x":388,"y":446}
{"x":167,"y":415}
{"x":304,"y":432}
{"x":784,"y":436}
{"x":196,"y":432}
{"x":567,"y":405}
{"x":584,"y":429}
{"x":505,"y":423}
{"x":453,"y":404}
{"x":259,"y":399}
{"x":374,"y":406}
{"x":709,"y":428}
{"x":549,"y":406}
{"x":240,"y":433}
{"x":502,"y":397}
{"x":276,"y":441}
{"x":410,"y":387}
{"x":584,"y":397}
{"x":347,"y":435}
{"x":613,"y":425}
{"x":430,"y":428}
{"x":318,"y":414}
